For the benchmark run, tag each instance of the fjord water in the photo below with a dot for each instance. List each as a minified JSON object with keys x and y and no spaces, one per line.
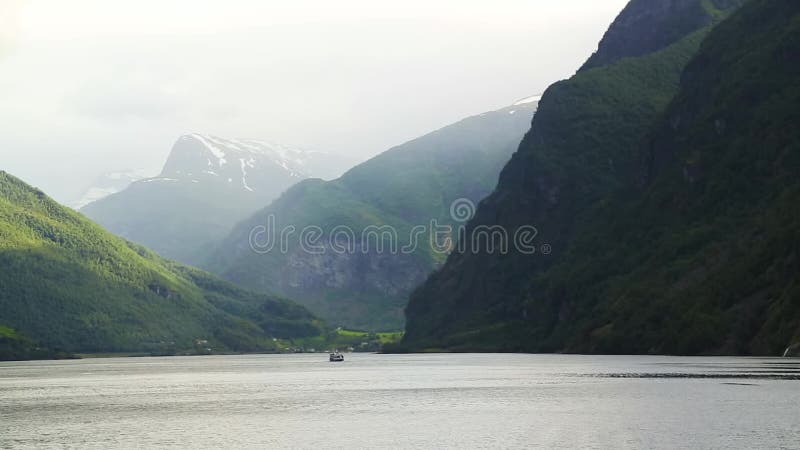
{"x":424,"y":401}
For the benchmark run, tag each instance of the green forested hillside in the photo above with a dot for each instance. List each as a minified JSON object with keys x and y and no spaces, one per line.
{"x":68,"y":285}
{"x":404,"y":187}
{"x":673,"y":231}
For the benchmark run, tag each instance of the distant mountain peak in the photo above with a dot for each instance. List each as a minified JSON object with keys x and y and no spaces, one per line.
{"x":210,"y":155}
{"x":207,"y":184}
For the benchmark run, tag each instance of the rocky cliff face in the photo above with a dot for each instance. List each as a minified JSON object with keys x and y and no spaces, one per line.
{"x":366,"y":275}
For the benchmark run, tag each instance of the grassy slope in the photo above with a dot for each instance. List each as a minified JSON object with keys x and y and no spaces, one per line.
{"x":70,"y":285}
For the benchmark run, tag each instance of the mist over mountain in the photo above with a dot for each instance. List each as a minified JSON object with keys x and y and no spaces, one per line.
{"x":107,"y":184}
{"x":87,"y":87}
{"x":404,"y":187}
{"x":207,"y":184}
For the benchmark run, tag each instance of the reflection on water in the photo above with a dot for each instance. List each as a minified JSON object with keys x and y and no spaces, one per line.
{"x":401,"y":401}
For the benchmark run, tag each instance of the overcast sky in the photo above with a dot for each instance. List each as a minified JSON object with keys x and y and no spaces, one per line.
{"x":88,"y":86}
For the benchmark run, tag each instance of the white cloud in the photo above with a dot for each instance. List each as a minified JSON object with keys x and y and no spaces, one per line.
{"x":94,"y":85}
{"x":125,"y":98}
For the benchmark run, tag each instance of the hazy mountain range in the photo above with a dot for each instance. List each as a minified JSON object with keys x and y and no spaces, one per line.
{"x":404,"y":187}
{"x":206,"y":185}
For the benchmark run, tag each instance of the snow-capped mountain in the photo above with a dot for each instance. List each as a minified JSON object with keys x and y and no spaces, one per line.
{"x":207,"y":184}
{"x":107,"y":184}
{"x":248,"y":164}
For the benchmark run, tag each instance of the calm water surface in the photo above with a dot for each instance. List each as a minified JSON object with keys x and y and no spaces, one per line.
{"x":402,"y":401}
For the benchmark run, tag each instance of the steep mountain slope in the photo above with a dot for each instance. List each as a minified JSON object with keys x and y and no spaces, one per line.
{"x":67,"y":284}
{"x":684,"y":240}
{"x":358,"y":285}
{"x":646,"y":26}
{"x":718,"y":214}
{"x":206,"y":186}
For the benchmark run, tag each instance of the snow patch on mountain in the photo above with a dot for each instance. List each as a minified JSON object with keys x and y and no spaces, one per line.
{"x":207,"y":142}
{"x":211,"y":155}
{"x":150,"y":180}
{"x":244,"y":172}
{"x":531,"y":99}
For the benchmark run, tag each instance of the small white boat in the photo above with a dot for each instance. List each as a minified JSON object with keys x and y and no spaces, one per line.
{"x":336,"y":357}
